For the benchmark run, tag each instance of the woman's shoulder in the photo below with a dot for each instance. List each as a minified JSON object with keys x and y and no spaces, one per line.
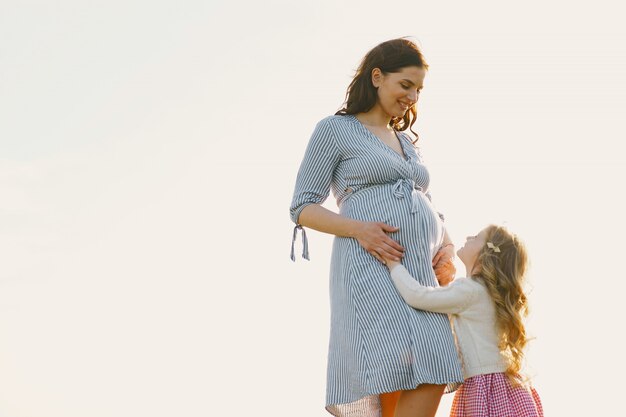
{"x":332,"y":131}
{"x":338,"y":127}
{"x":335,"y":120}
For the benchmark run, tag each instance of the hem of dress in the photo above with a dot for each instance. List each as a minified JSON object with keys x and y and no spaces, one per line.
{"x":329,"y":407}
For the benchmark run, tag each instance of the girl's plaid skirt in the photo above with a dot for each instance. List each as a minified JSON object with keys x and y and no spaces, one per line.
{"x":492,"y":395}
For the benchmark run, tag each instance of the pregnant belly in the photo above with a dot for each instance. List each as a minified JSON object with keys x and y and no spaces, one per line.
{"x":380,"y":203}
{"x":411,"y":212}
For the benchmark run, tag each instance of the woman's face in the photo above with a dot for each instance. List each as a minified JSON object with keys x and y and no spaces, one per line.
{"x":398,"y":91}
{"x":472,"y":247}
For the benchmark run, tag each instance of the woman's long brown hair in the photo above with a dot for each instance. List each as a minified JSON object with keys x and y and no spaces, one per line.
{"x":390,"y":56}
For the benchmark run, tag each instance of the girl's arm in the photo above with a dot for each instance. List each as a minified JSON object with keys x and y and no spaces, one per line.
{"x":451,"y":299}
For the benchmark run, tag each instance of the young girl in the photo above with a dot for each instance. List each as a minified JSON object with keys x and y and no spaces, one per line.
{"x":487,"y":310}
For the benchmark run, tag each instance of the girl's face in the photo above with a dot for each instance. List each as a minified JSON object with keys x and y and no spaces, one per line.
{"x":398,"y":91}
{"x":472,"y":247}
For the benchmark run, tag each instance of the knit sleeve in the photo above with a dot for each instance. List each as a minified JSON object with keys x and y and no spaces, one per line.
{"x":451,"y":299}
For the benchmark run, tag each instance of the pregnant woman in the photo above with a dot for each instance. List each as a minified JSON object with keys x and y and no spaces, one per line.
{"x":383,"y":354}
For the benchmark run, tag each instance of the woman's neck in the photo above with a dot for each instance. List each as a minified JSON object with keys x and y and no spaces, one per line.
{"x":375,"y":118}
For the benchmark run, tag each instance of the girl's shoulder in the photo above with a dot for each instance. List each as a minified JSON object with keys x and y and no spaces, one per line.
{"x":470,"y":281}
{"x":473,"y":285}
{"x":480,"y":289}
{"x":465,"y":281}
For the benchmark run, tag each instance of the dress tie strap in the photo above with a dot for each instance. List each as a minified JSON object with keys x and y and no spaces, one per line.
{"x":305,"y":243}
{"x":405,"y":186}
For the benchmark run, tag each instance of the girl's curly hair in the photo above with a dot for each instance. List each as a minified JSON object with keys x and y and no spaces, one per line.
{"x":503,"y":274}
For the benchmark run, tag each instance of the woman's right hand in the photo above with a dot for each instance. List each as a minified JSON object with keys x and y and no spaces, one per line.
{"x":372,"y":236}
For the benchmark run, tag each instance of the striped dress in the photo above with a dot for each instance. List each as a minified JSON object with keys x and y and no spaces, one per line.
{"x":377,"y":342}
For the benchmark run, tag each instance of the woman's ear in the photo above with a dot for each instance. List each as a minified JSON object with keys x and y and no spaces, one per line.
{"x":377,"y":77}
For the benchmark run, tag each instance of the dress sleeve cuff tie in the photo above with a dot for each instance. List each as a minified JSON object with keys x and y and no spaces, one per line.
{"x":305,"y":243}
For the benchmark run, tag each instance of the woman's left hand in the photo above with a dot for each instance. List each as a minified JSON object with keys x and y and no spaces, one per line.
{"x":445,"y":273}
{"x":444,"y":266}
{"x":444,"y":254}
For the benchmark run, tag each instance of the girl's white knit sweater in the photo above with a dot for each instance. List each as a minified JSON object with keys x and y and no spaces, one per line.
{"x":473,"y":317}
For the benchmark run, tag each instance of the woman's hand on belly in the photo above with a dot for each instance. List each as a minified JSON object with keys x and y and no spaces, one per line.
{"x":445,"y":273}
{"x":372,"y":236}
{"x":444,"y":265}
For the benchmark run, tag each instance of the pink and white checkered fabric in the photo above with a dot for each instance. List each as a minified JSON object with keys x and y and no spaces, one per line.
{"x":492,"y":395}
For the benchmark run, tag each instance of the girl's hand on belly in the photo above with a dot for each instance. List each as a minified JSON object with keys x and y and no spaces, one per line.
{"x":390,"y":263}
{"x":372,"y":236}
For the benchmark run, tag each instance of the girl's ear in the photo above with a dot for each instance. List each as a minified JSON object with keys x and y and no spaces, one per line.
{"x":377,"y":77}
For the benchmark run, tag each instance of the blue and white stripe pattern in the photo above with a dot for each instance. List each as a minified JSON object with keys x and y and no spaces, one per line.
{"x":377,"y":342}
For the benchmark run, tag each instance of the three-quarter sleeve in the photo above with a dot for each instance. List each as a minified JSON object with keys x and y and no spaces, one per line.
{"x":316,"y":170}
{"x":451,"y":299}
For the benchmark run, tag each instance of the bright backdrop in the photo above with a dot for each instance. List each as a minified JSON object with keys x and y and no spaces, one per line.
{"x":148,"y":152}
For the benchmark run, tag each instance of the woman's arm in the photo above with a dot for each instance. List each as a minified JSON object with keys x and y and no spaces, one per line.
{"x":313,"y":187}
{"x":372,"y":236}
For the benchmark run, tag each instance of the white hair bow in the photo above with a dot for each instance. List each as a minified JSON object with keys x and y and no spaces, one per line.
{"x":494,"y":247}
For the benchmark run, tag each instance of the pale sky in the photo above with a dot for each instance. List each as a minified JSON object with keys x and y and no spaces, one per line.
{"x":148,"y":153}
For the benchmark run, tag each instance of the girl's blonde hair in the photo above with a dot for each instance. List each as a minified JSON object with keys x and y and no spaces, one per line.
{"x":502,"y":264}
